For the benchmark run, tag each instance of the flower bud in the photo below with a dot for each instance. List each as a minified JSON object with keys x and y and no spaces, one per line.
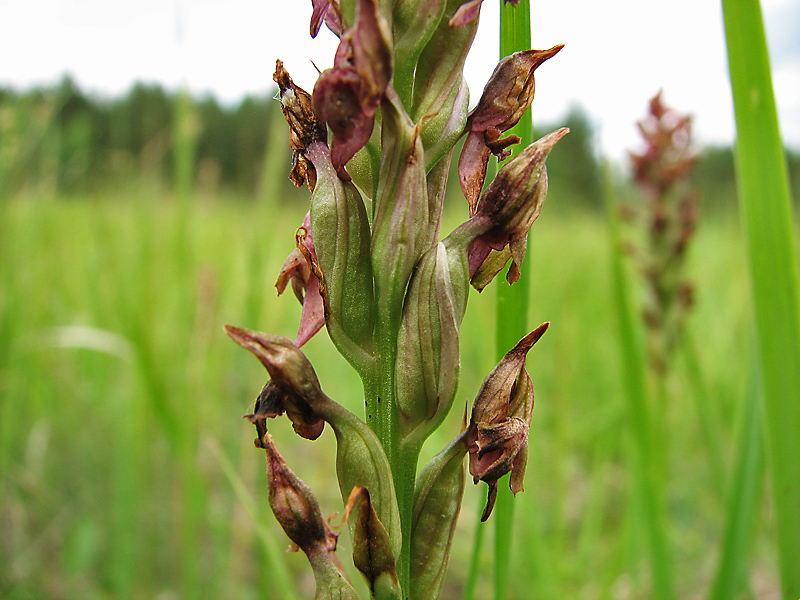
{"x":372,"y":547}
{"x":297,"y":510}
{"x":293,"y":502}
{"x":501,"y":416}
{"x":291,"y":373}
{"x":506,"y":97}
{"x":402,"y":228}
{"x":428,"y":358}
{"x":511,"y":204}
{"x":360,"y":458}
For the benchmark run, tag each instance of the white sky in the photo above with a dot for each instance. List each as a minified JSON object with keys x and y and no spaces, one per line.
{"x":618,"y":54}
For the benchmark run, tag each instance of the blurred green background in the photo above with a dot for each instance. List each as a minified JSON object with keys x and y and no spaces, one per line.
{"x":131,"y":229}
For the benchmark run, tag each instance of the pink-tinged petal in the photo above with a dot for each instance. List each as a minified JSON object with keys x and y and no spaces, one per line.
{"x":328,"y":11}
{"x":305,"y":285}
{"x":466,"y":13}
{"x":313,"y":317}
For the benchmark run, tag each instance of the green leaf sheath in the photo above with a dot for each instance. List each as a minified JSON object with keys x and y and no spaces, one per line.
{"x":361,"y":461}
{"x":437,"y":503}
{"x":441,"y":64}
{"x":340,"y":227}
{"x":414,"y":25}
{"x":428,"y":361}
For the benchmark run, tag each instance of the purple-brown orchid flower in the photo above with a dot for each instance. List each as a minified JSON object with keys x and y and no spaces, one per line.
{"x":506,"y":97}
{"x":497,"y":440}
{"x":347,"y":96}
{"x":510,"y":205}
{"x":305,"y":285}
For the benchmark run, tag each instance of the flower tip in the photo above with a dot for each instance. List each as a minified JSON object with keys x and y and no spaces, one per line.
{"x":551,"y":139}
{"x":529,"y":340}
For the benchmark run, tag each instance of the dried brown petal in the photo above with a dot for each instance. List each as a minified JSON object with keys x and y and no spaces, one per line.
{"x":298,"y":268}
{"x":305,"y":127}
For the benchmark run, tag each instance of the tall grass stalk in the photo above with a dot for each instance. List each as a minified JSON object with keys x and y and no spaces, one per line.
{"x":765,"y":206}
{"x":647,"y":488}
{"x":512,"y":301}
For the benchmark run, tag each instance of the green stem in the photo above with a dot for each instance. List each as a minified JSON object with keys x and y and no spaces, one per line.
{"x":384,"y":420}
{"x":511,"y":302}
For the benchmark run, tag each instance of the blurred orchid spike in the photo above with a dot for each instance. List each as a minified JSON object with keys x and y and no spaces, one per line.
{"x":304,"y":126}
{"x":305,"y":283}
{"x":509,"y":207}
{"x":347,"y":96}
{"x":506,"y":97}
{"x":497,"y":437}
{"x":328,"y":11}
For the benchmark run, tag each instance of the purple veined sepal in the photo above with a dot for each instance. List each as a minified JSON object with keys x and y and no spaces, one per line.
{"x":329,"y":12}
{"x":506,"y":96}
{"x":501,"y":416}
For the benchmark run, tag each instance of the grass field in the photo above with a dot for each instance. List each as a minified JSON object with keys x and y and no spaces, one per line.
{"x":127,"y":472}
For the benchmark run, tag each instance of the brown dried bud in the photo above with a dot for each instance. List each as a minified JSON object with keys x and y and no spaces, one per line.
{"x":294,"y":504}
{"x":372,"y":546}
{"x":506,"y":97}
{"x":291,"y":372}
{"x":501,"y":417}
{"x":510,"y":206}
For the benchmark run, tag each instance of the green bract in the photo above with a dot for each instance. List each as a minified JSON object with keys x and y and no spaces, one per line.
{"x":379,"y":132}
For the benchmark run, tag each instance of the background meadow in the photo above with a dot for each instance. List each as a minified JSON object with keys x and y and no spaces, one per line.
{"x":131,"y":230}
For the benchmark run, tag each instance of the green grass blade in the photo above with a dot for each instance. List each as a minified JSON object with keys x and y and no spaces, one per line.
{"x":742,"y":506}
{"x":765,"y":205}
{"x":647,"y":487}
{"x":512,"y":301}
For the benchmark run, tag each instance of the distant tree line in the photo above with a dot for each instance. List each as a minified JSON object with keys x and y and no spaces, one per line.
{"x":74,"y":142}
